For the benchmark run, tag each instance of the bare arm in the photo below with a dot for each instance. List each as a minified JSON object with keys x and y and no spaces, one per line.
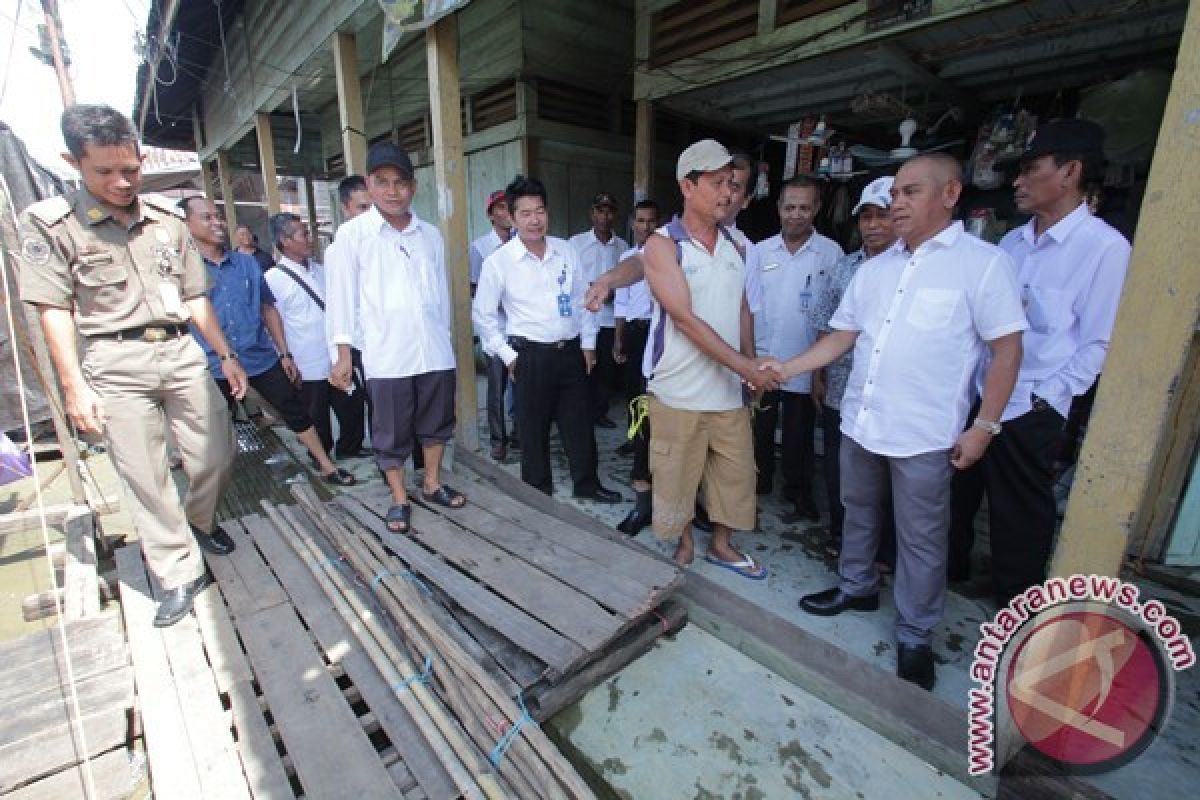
{"x":83,"y":405}
{"x":665,"y":276}
{"x":998,"y":384}
{"x":205,"y":320}
{"x":625,"y":273}
{"x":826,"y":350}
{"x":274,"y":323}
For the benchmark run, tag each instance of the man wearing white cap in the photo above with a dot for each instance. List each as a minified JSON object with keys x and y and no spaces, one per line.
{"x":701,"y":352}
{"x":829,"y":384}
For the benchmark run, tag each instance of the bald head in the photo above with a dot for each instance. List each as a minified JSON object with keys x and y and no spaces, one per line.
{"x":943,"y":167}
{"x":924,"y":195}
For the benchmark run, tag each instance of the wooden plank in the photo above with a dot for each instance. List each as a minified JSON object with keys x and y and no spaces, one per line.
{"x":520,"y":667}
{"x":110,"y":773}
{"x":39,"y":736}
{"x":556,"y":651}
{"x":332,"y":632}
{"x":547,"y":598}
{"x":81,"y":595}
{"x":350,"y":105}
{"x":162,"y":714}
{"x":266,"y":161}
{"x":1129,"y":435}
{"x":264,"y":771}
{"x":245,"y":581}
{"x":37,"y":661}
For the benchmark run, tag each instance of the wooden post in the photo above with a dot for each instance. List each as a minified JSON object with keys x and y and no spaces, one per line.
{"x":526,"y":115}
{"x":266,"y":161}
{"x":225,"y":175}
{"x":441,"y":49}
{"x":350,"y":107}
{"x":207,"y":183}
{"x":1129,"y":434}
{"x":643,"y":152}
{"x":310,"y":200}
{"x":57,"y":60}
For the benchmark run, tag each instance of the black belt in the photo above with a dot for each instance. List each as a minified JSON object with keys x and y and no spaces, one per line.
{"x":638,"y":323}
{"x":520,"y":343}
{"x":145,"y":333}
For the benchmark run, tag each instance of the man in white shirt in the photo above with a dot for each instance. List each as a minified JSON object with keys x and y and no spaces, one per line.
{"x":1070,"y":269}
{"x":795,"y":263}
{"x":390,"y":270}
{"x":701,"y":354}
{"x":529,"y":312}
{"x":633,"y":307}
{"x":920,"y":318}
{"x":497,"y":373}
{"x":599,"y":250}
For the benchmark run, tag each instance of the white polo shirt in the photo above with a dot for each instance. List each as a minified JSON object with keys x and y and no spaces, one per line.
{"x":524,"y":288}
{"x":396,"y":282}
{"x":790,"y":282}
{"x":1070,"y":279}
{"x":633,"y":302}
{"x":303,"y":319}
{"x":481,"y":248}
{"x":923,"y":320}
{"x":597,"y":258}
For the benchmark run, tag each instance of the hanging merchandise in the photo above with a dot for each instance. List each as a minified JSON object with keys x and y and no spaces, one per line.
{"x":762,"y":185}
{"x":793,"y":149}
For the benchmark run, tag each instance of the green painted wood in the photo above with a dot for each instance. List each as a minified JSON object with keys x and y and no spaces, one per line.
{"x":1184,"y":548}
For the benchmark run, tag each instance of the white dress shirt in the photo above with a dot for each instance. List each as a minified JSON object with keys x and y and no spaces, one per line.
{"x":481,"y":248}
{"x":303,"y":319}
{"x":633,"y":302}
{"x":396,"y":282}
{"x":597,"y":258}
{"x":1070,"y":279}
{"x":357,"y":337}
{"x":526,"y":289}
{"x":790,"y":283}
{"x":923,"y":320}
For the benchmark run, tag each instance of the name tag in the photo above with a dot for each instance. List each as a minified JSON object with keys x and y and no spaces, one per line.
{"x":171,"y":301}
{"x":564,"y":305}
{"x":805,"y":300}
{"x":769,"y":267}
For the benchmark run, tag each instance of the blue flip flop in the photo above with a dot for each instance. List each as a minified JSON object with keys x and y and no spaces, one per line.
{"x":747,"y":567}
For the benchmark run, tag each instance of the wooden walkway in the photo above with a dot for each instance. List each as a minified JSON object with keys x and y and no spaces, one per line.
{"x":261,"y":693}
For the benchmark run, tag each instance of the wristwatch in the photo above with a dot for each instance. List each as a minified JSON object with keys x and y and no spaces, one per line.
{"x":230,"y":356}
{"x":993,"y":428}
{"x":1038,"y":403}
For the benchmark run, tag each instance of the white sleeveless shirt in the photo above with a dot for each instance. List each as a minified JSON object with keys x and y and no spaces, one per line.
{"x":681,"y":376}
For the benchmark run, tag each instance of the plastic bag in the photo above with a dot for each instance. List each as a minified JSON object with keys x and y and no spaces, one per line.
{"x":14,"y":464}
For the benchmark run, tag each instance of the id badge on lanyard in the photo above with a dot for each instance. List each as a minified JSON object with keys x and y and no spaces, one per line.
{"x":806,"y":295}
{"x":564,"y":295}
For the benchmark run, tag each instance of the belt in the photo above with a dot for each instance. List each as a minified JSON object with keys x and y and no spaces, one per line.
{"x":520,"y":343}
{"x":145,"y":333}
{"x":638,"y":323}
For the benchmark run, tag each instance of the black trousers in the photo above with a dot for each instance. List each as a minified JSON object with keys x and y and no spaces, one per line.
{"x":319,"y":399}
{"x":281,"y":393}
{"x":605,"y":378}
{"x":1016,"y":473}
{"x":831,"y":429}
{"x":799,"y":424}
{"x":497,"y":383}
{"x":554,"y":390}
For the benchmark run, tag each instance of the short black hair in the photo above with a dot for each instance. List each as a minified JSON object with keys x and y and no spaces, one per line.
{"x":281,"y":224}
{"x":1092,"y":174}
{"x":348,"y":185}
{"x":800,"y":182}
{"x":642,"y":205}
{"x":96,"y":124}
{"x":743,"y":161}
{"x":524,"y":187}
{"x":185,"y":203}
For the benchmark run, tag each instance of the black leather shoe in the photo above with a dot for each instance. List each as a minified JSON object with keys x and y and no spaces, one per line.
{"x":634,"y":521}
{"x":601,"y":495}
{"x":605,"y":422}
{"x":218,"y":542}
{"x":834,"y":601}
{"x":499,"y":452}
{"x":177,"y":602}
{"x":914,"y":663}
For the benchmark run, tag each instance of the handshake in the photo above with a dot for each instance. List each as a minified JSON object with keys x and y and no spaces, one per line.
{"x":764,"y":374}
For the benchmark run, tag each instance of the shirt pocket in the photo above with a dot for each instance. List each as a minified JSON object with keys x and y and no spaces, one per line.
{"x":932,"y":309}
{"x":1044,"y":308}
{"x":103,"y":282}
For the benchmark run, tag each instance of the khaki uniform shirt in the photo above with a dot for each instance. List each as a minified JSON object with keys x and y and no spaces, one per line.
{"x":75,"y":255}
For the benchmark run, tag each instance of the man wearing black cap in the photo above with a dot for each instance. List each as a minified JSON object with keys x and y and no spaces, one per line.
{"x":1070,"y":270}
{"x":599,"y":250}
{"x":390,"y":272}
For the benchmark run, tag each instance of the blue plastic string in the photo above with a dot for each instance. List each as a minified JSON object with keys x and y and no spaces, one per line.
{"x":408,"y":575}
{"x":422,"y":678}
{"x":497,"y":754}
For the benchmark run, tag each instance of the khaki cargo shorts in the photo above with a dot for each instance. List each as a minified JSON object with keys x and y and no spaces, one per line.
{"x":690,"y":447}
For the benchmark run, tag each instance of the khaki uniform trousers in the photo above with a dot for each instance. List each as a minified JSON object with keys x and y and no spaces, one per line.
{"x":146,"y":387}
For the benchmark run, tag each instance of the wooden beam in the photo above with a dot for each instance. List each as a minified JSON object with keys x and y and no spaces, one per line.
{"x":526,"y":118}
{"x":643,"y":151}
{"x":350,"y":105}
{"x":310,"y":202}
{"x":207,"y":183}
{"x":766,"y":16}
{"x":893,"y":57}
{"x":225,"y":175}
{"x":1129,"y":435}
{"x":449,"y":168}
{"x":266,"y":160}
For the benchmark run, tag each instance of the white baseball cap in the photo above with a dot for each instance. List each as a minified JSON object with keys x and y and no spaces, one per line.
{"x":877,"y":193}
{"x":706,"y":155}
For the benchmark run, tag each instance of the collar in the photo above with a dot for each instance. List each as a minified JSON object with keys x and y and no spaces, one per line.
{"x":612,"y":238}
{"x":380,"y":224}
{"x":523,"y":252}
{"x":1060,"y":230}
{"x":808,"y":244}
{"x":226,"y":258}
{"x":306,"y":267}
{"x":95,"y":212}
{"x":945,"y":238}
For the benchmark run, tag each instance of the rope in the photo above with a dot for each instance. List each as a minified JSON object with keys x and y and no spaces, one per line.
{"x":505,"y":742}
{"x":75,"y":711}
{"x":408,"y":575}
{"x":422,"y":678}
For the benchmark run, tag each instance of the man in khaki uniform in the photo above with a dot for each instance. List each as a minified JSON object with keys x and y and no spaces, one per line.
{"x":121,"y":272}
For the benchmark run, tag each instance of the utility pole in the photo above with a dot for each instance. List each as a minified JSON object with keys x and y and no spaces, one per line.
{"x":57,"y":57}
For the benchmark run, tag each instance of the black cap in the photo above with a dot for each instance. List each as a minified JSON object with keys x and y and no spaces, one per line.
{"x":386,"y":154}
{"x":1065,"y":136}
{"x":604,"y":199}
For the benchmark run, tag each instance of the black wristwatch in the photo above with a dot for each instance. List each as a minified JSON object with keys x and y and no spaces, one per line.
{"x":1039,"y":404}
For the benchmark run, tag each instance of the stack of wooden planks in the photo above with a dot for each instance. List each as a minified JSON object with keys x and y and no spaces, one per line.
{"x":551,"y":609}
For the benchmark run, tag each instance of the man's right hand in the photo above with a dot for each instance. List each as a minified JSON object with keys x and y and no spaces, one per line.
{"x":341,"y":375}
{"x":85,"y":409}
{"x":818,"y":389}
{"x":597,"y":294}
{"x":238,"y":382}
{"x":759,"y":374}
